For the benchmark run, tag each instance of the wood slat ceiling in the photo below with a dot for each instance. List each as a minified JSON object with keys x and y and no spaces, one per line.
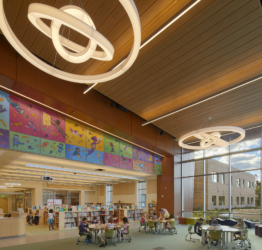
{"x":213,"y":47}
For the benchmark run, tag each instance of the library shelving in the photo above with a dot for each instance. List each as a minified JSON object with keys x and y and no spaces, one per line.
{"x":122,"y":204}
{"x":151,"y":210}
{"x":138,"y":214}
{"x":131,"y":214}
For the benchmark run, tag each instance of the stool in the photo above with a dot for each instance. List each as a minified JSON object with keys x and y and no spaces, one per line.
{"x":182,"y":220}
{"x":260,"y":231}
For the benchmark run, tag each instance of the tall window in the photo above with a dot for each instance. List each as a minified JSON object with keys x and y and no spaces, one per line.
{"x":238,"y":182}
{"x":223,"y":178}
{"x":109,"y":195}
{"x":248,"y":200}
{"x":231,"y":180}
{"x":141,"y":194}
{"x":214,"y":200}
{"x":248,"y":184}
{"x":237,"y":200}
{"x":252,"y":201}
{"x":243,"y":184}
{"x":242,"y":200}
{"x":231,"y":200}
{"x":221,"y":200}
{"x":252,"y":185}
{"x":215,"y":177}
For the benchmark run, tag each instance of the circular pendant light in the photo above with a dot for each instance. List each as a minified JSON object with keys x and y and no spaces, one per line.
{"x":3,"y":187}
{"x":10,"y":184}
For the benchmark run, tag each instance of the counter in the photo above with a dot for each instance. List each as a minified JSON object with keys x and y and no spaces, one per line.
{"x":17,"y":214}
{"x":10,"y":227}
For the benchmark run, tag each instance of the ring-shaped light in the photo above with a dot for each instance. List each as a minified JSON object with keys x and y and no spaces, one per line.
{"x":213,"y":139}
{"x":76,"y":19}
{"x":10,"y":184}
{"x":132,"y":12}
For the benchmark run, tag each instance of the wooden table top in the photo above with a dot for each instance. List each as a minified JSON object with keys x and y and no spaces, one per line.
{"x":99,"y":227}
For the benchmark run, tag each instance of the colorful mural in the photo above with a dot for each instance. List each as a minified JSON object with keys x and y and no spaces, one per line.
{"x":96,"y":157}
{"x":24,"y":117}
{"x":126,"y":150}
{"x":4,"y":138}
{"x":111,"y":160}
{"x":4,"y":110}
{"x":95,"y":141}
{"x":25,"y":143}
{"x":143,"y":166}
{"x":52,"y":126}
{"x":52,"y":148}
{"x":76,"y":153}
{"x":111,"y":145}
{"x":125,"y":162}
{"x":29,"y":128}
{"x":76,"y":133}
{"x":158,"y":169}
{"x":158,"y":160}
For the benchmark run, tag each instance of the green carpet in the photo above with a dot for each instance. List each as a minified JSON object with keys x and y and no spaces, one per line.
{"x":139,"y":241}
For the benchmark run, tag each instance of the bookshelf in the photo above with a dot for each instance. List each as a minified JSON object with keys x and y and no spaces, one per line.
{"x":121,"y":205}
{"x":131,"y":214}
{"x":138,"y":213}
{"x":151,"y":210}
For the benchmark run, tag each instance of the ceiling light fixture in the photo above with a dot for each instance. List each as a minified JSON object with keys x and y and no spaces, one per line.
{"x":207,"y":99}
{"x":211,"y":137}
{"x":59,"y":17}
{"x":3,"y":187}
{"x":154,"y":36}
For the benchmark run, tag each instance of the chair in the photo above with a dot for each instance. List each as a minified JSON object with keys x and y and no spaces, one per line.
{"x":173,"y":227}
{"x":78,"y":239}
{"x":141,"y":225}
{"x":243,"y":238}
{"x":215,"y":235}
{"x":109,"y":234}
{"x":189,"y":228}
{"x":151,"y":225}
{"x":127,"y":234}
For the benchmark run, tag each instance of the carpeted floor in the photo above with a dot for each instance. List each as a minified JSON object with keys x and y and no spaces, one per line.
{"x":141,"y":241}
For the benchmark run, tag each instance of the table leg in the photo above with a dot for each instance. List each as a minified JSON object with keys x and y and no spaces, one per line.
{"x":120,"y":235}
{"x":226,"y":239}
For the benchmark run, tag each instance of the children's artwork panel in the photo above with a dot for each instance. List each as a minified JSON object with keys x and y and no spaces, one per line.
{"x":143,"y":166}
{"x":24,"y":117}
{"x":76,"y":133}
{"x":111,"y":145}
{"x":139,"y":154}
{"x":76,"y":153}
{"x":4,"y":138}
{"x":96,"y":157}
{"x":111,"y":160}
{"x":158,"y":160}
{"x":4,"y":110}
{"x":149,"y":157}
{"x":95,"y":140}
{"x":25,"y":143}
{"x":126,"y":150}
{"x":52,"y":126}
{"x":52,"y":148}
{"x":158,"y":169}
{"x":126,"y":163}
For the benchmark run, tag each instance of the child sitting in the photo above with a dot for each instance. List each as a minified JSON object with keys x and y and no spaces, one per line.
{"x":115,"y":220}
{"x":109,"y":225}
{"x":143,"y":221}
{"x":82,"y":230}
{"x":125,"y":221}
{"x":154,"y":216}
{"x":29,"y":219}
{"x":36,"y":219}
{"x":94,"y":220}
{"x":171,"y":218}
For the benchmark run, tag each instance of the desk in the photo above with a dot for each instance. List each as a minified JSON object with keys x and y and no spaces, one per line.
{"x":159,"y":222}
{"x":102,"y":227}
{"x":17,"y":214}
{"x":13,"y":226}
{"x":225,"y":230}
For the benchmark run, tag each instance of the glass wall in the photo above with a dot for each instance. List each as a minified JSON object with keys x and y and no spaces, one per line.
{"x":109,"y":195}
{"x":60,"y":197}
{"x":224,"y":182}
{"x":141,"y":194}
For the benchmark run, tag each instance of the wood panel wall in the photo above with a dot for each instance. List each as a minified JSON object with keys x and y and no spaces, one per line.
{"x":124,"y":188}
{"x":152,"y":186}
{"x":21,"y":76}
{"x":102,"y":190}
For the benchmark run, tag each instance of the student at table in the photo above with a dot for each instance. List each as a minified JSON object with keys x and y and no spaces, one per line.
{"x":115,"y":220}
{"x":214,"y":226}
{"x":83,"y":230}
{"x":36,"y":219}
{"x":94,"y":220}
{"x":103,"y":214}
{"x":198,"y":227}
{"x":155,"y":216}
{"x":143,"y":221}
{"x":213,"y":221}
{"x":109,"y":225}
{"x":171,"y":219}
{"x":125,"y":221}
{"x":240,"y":225}
{"x":29,"y":219}
{"x":163,"y":214}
